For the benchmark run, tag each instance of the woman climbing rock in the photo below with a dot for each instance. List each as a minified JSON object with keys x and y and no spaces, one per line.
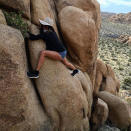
{"x":54,"y":47}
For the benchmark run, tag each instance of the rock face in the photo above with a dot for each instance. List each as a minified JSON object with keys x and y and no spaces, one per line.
{"x":99,"y":114}
{"x":19,"y":5}
{"x":119,"y":111}
{"x":40,"y":9}
{"x":82,"y":49}
{"x":59,"y":101}
{"x":2,"y":18}
{"x":66,"y":98}
{"x":20,"y":108}
{"x":76,"y":25}
{"x":105,"y":79}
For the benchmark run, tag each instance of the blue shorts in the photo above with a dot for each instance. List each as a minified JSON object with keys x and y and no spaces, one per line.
{"x":63,"y":54}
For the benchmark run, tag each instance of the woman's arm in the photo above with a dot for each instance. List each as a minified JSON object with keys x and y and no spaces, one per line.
{"x":35,"y":37}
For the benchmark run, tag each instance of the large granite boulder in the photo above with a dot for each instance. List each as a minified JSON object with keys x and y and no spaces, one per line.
{"x":119,"y":110}
{"x":17,"y":5}
{"x":80,"y":35}
{"x":67,"y":100}
{"x":2,"y":18}
{"x":91,"y":7}
{"x":20,"y":108}
{"x":106,"y":79}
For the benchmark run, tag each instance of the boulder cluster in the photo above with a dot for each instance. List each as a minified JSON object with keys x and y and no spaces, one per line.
{"x":125,"y":39}
{"x":57,"y":101}
{"x":121,"y":18}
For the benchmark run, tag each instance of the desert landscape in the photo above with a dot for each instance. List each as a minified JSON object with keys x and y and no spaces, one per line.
{"x":115,"y":49}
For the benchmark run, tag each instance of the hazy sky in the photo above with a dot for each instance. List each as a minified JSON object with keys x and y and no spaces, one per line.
{"x":116,"y":6}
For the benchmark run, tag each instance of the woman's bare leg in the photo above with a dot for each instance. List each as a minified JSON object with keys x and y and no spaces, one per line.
{"x":51,"y":54}
{"x":68,"y":64}
{"x":54,"y":55}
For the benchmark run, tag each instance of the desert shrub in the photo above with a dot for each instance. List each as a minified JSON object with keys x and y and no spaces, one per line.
{"x":15,"y":20}
{"x":127,"y":82}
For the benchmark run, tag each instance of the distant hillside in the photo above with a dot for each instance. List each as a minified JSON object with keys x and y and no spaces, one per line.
{"x":107,"y":14}
{"x":121,"y":18}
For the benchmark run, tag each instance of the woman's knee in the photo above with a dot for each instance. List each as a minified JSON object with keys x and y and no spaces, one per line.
{"x":65,"y":61}
{"x":42,"y":52}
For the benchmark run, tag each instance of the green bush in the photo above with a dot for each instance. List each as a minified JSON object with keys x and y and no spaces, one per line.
{"x":127,"y":81}
{"x":15,"y":20}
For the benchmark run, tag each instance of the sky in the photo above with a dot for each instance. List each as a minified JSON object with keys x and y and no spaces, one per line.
{"x":115,"y":6}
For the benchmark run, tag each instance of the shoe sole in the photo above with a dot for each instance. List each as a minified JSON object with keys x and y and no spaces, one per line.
{"x":34,"y":77}
{"x":76,"y":73}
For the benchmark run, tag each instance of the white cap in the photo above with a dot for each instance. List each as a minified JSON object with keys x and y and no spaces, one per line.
{"x":47,"y":21}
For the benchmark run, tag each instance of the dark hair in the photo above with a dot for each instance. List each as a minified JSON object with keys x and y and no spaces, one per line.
{"x":41,"y":29}
{"x":49,"y":27}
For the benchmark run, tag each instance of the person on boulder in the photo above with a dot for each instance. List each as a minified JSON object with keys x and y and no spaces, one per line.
{"x":54,"y":47}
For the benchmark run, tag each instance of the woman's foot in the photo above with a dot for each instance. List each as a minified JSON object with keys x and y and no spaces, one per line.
{"x":75,"y":72}
{"x":33,"y":74}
